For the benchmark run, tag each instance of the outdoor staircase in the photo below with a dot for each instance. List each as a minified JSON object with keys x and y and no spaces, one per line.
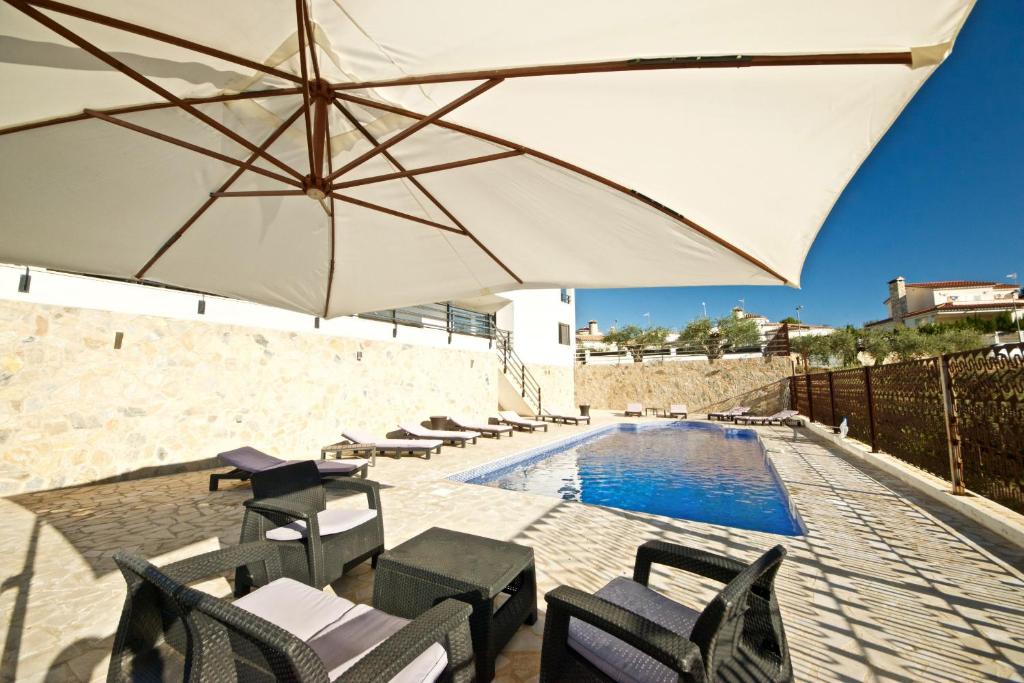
{"x":518,"y":390}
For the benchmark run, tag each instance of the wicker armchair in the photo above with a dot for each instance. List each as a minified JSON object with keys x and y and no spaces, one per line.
{"x":626,"y":627}
{"x":171,"y":632}
{"x":317,"y":545}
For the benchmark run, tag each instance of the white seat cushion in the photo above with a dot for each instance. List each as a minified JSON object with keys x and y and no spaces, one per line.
{"x":618,"y":660}
{"x":299,"y":609}
{"x":339,"y":632}
{"x":360,"y":630}
{"x":330,"y":522}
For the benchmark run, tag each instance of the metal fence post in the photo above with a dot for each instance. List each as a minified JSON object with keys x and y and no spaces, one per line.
{"x":832,"y":398}
{"x":870,"y":397}
{"x":810,"y":399}
{"x":956,"y":461}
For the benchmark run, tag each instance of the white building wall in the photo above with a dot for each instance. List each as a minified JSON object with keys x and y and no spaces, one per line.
{"x":533,"y":318}
{"x":60,"y":289}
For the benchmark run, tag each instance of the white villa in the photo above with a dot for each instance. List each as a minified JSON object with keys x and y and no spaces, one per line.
{"x":918,"y":303}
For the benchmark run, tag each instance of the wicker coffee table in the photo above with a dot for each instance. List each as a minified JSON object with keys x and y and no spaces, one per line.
{"x":439,"y":563}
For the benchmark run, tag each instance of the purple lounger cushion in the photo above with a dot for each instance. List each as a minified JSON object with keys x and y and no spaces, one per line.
{"x":249,"y":459}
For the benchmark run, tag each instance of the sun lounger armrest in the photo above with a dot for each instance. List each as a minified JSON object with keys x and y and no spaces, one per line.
{"x":367,"y":486}
{"x":219,"y":562}
{"x":652,"y":639}
{"x":446,"y":623}
{"x":717,"y":567}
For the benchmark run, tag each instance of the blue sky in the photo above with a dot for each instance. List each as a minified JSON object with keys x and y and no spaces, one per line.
{"x":941,"y":197}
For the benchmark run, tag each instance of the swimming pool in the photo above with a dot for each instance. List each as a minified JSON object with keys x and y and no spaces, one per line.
{"x":687,"y":470}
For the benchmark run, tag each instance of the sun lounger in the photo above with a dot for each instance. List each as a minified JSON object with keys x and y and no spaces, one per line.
{"x":247,"y":461}
{"x":417,"y":431}
{"x":563,"y":418}
{"x":636,"y":409}
{"x":508,"y":417}
{"x":677,"y":410}
{"x":395,"y":447}
{"x":485,"y":429}
{"x":783,"y":416}
{"x":733,"y":412}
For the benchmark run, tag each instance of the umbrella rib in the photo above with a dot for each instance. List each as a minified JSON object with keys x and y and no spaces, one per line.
{"x":393,"y":212}
{"x":305,"y":83}
{"x":73,"y":37}
{"x":188,"y":145}
{"x":128,"y":27}
{"x":429,"y":195}
{"x":575,"y":169}
{"x":428,"y":169}
{"x":330,"y":268}
{"x":904,"y":58}
{"x":261,"y":193}
{"x":247,"y":165}
{"x":307,"y":26}
{"x":422,"y":123}
{"x":250,"y":95}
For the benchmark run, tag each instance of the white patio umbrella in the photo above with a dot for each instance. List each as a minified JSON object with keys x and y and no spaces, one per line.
{"x":338,"y":156}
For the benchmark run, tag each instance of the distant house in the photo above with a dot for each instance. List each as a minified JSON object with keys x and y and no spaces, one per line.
{"x":768,"y":329}
{"x":919,"y":303}
{"x":591,"y":338}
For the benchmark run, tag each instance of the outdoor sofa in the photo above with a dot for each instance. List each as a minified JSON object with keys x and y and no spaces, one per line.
{"x":730,"y":414}
{"x":316,"y":545}
{"x":635,"y":409}
{"x":563,"y":418}
{"x":417,"y":431}
{"x":677,"y":410}
{"x":781,"y":417}
{"x":485,"y":429}
{"x":628,"y":632}
{"x":513,"y":419}
{"x":285,"y":631}
{"x":247,"y":461}
{"x":395,"y":447}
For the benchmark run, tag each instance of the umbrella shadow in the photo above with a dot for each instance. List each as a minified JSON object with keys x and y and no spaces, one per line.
{"x":53,"y":55}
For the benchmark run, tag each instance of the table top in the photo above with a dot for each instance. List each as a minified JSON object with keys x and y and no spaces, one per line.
{"x":486,"y":563}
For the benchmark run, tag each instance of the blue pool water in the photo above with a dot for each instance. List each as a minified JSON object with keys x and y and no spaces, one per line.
{"x":685,"y":470}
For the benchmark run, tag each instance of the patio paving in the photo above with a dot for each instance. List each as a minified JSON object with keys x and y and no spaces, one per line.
{"x":886,"y":585}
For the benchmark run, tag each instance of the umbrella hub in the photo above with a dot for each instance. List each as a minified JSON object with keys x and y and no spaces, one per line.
{"x":316,"y":188}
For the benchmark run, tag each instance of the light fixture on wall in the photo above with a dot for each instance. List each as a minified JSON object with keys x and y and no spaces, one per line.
{"x":359,"y":355}
{"x":118,"y":339}
{"x":316,"y":322}
{"x":24,"y":282}
{"x":201,"y":308}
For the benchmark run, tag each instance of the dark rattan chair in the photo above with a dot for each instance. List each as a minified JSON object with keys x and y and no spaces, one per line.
{"x":171,"y":632}
{"x":317,"y":545}
{"x":628,"y":627}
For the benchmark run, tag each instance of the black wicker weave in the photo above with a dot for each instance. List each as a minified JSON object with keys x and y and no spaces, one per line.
{"x":295,"y":492}
{"x":738,"y":637}
{"x":170,"y":632}
{"x":440,"y":564}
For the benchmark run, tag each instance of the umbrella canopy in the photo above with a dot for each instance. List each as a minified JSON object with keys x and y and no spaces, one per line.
{"x":338,"y":156}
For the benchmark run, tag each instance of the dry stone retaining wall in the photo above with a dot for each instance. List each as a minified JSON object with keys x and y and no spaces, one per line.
{"x":703,"y":386}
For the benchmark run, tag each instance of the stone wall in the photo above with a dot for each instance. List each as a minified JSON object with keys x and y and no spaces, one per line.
{"x":761,"y":383}
{"x":556,"y":386}
{"x":75,"y":409}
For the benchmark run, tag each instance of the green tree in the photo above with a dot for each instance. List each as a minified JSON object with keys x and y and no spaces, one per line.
{"x":812,"y":348}
{"x":712,"y":336}
{"x":635,"y":339}
{"x":738,"y":333}
{"x":790,"y":320}
{"x":842,"y":345}
{"x":876,"y":343}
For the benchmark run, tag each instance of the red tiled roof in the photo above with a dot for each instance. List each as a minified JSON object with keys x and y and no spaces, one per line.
{"x":960,"y":283}
{"x":974,"y":305}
